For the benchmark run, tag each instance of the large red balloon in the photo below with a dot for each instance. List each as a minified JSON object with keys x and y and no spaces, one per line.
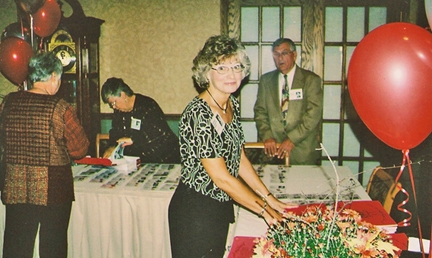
{"x":15,"y":54}
{"x":47,"y":18}
{"x":390,"y":83}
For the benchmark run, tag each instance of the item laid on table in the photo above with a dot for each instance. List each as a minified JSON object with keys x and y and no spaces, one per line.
{"x":94,"y":161}
{"x":374,"y":213}
{"x":149,"y":177}
{"x":122,"y":163}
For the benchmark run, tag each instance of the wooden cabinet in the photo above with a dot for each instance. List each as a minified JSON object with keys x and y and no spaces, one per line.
{"x":76,"y":43}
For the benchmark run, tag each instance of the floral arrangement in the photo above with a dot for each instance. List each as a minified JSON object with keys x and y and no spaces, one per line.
{"x":324,"y":232}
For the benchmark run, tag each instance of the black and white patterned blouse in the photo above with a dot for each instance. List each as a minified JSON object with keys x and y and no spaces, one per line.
{"x":199,"y":139}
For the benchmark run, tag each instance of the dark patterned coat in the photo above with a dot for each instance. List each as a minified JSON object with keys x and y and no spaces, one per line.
{"x":40,"y":135}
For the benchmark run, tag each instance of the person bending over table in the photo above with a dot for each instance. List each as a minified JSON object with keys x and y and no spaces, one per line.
{"x":213,"y":159}
{"x":40,"y":136}
{"x":288,"y":108}
{"x":140,"y":123}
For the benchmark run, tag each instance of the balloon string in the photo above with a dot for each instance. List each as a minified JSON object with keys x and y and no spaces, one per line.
{"x":41,"y":44}
{"x":405,"y":222}
{"x":22,"y":28}
{"x":31,"y":31}
{"x":416,"y":203}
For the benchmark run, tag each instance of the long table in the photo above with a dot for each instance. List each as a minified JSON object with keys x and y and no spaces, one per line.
{"x":118,"y":214}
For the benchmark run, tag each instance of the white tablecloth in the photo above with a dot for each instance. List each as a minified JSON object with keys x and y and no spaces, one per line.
{"x":117,"y":215}
{"x":301,"y":184}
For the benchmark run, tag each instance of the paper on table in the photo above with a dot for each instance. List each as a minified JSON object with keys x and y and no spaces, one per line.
{"x":124,"y":164}
{"x":414,"y":245}
{"x":117,"y":152}
{"x":115,"y":158}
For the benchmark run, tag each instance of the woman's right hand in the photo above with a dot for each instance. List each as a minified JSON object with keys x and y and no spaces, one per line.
{"x":271,"y":216}
{"x":108,"y":152}
{"x":279,"y":205}
{"x":275,"y":208}
{"x":126,"y":141}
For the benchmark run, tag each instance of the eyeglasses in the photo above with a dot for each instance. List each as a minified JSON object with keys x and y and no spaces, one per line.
{"x":283,"y":54}
{"x":112,"y":105}
{"x":223,"y":69}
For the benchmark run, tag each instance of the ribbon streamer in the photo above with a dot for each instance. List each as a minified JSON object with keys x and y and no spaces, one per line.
{"x":406,"y":222}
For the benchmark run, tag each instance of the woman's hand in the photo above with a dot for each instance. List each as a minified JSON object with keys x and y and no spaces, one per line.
{"x":126,"y":141}
{"x":271,"y":216}
{"x":108,"y":152}
{"x":275,"y":209}
{"x":278,"y":205}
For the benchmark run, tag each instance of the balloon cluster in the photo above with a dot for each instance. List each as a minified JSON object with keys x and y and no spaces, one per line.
{"x":16,"y":46}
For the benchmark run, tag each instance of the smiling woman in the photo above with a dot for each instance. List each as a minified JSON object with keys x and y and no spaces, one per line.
{"x":213,"y":159}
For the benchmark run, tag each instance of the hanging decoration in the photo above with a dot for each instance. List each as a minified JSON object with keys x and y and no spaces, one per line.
{"x":15,"y":54}
{"x":47,"y":18}
{"x":390,"y":83}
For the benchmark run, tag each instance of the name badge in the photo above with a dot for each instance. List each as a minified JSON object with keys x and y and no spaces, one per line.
{"x":135,"y":124}
{"x":296,"y":94}
{"x":218,"y":123}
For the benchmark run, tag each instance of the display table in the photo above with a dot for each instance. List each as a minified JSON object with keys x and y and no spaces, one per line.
{"x":122,"y":215}
{"x":299,"y":184}
{"x":126,"y":215}
{"x":119,"y":215}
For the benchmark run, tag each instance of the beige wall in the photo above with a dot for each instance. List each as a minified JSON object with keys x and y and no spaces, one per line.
{"x":148,"y":43}
{"x":7,"y":16}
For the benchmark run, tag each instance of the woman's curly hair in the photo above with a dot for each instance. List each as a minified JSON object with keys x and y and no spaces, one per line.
{"x":216,"y":50}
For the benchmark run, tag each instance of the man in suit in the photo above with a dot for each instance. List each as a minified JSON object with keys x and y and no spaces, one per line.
{"x":288,"y":109}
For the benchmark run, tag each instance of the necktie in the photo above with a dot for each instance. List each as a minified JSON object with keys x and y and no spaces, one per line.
{"x":285,"y":98}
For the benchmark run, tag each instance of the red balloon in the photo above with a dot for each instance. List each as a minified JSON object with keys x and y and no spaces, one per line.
{"x":47,"y":18}
{"x":390,"y":83}
{"x":15,"y":54}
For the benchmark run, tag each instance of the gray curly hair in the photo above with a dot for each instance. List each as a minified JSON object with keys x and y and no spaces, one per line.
{"x":216,"y":50}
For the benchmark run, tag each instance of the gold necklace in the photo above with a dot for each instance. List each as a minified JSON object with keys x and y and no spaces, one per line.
{"x":223,"y":109}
